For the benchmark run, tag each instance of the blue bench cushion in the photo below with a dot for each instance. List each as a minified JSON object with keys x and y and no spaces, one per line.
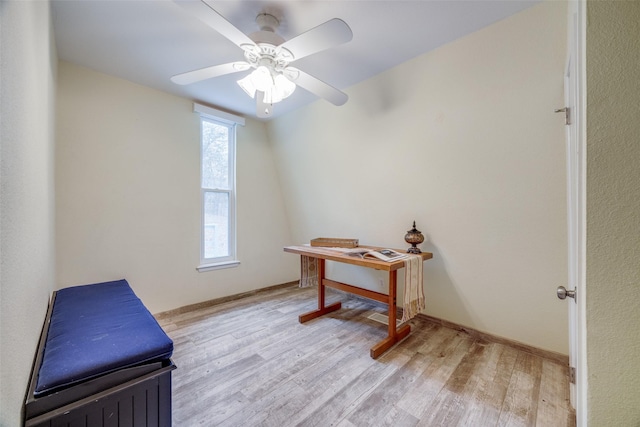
{"x":97,"y":329}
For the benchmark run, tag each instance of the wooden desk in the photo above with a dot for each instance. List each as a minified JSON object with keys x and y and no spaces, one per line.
{"x":322,"y":254}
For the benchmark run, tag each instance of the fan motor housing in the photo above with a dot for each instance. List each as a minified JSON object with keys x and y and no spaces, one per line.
{"x":268,"y":37}
{"x":267,"y":34}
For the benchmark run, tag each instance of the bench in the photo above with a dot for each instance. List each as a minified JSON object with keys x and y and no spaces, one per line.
{"x":102,"y":360}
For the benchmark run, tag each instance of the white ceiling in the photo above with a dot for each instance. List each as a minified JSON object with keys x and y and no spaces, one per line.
{"x":149,"y":41}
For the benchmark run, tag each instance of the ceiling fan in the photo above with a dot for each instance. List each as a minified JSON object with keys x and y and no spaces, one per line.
{"x":269,"y":57}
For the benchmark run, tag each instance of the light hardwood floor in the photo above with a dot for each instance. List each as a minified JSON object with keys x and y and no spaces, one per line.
{"x":248,"y":362}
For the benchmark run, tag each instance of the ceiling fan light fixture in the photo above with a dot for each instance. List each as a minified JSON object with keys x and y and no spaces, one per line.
{"x":275,"y":89}
{"x":269,"y":55}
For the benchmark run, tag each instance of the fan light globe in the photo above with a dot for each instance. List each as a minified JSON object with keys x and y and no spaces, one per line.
{"x":247,"y":85}
{"x":262,"y":78}
{"x":271,"y":96}
{"x":284,"y":86}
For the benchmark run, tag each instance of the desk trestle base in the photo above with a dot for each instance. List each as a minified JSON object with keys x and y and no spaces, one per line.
{"x":393,"y":336}
{"x":319,"y":312}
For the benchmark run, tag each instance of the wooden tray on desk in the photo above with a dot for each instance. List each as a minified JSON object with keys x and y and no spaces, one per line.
{"x":334,"y":242}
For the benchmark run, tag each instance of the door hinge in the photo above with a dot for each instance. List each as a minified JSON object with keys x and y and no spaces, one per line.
{"x":572,"y":375}
{"x":567,"y":114}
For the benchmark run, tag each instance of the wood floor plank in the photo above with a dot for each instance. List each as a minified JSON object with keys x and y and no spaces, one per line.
{"x":553,"y":402}
{"x":485,"y":402}
{"x":521,"y":402}
{"x":420,"y":398}
{"x":457,"y":393}
{"x":249,"y":362}
{"x":450,"y":402}
{"x":344,"y":401}
{"x":383,"y":399}
{"x":397,"y":417}
{"x":318,"y":393}
{"x":302,"y":370}
{"x":333,"y":345}
{"x":314,"y":394}
{"x":222,"y":364}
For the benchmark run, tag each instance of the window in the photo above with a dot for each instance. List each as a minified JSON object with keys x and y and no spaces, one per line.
{"x":217,"y":190}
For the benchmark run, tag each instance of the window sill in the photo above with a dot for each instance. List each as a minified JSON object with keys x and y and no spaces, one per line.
{"x":217,"y":266}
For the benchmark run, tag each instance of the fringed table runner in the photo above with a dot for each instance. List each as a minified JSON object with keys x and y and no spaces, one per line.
{"x":413,"y":289}
{"x":309,"y":271}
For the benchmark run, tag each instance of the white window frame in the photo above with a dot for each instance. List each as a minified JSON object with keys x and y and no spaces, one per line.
{"x":230,"y":121}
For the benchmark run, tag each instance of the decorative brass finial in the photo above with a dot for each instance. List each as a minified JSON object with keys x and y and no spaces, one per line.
{"x":414,"y":237}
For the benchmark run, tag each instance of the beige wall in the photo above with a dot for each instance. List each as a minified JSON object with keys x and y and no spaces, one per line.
{"x":128,"y":198}
{"x":613,"y":213}
{"x":463,"y":140}
{"x":27,"y":275}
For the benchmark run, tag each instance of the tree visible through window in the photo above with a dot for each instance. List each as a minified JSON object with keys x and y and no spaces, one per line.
{"x":217,"y":172}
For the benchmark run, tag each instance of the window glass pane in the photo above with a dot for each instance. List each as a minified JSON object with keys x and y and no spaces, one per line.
{"x":216,"y":224}
{"x":215,"y":155}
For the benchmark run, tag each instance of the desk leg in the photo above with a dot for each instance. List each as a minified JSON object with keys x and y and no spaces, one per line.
{"x":322,"y":309}
{"x":393,"y":335}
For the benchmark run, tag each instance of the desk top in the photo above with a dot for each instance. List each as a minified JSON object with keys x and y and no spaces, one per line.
{"x":334,"y":255}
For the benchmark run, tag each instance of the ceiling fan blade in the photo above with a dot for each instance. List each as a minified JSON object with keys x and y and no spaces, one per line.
{"x":207,"y":14}
{"x":332,"y":33}
{"x":320,"y":88}
{"x":209,"y":72}
{"x":263,"y":110}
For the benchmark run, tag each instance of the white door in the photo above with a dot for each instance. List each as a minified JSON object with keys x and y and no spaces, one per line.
{"x":575,"y":148}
